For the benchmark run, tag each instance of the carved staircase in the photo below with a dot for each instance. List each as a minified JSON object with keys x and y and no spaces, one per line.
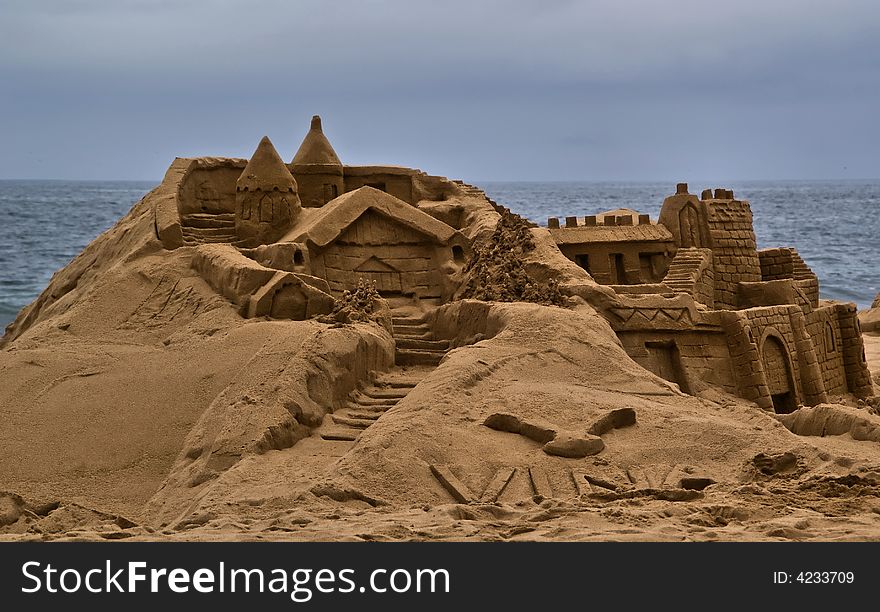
{"x":690,"y":271}
{"x":364,"y":407}
{"x":807,"y":283}
{"x":475,"y":191}
{"x":417,"y":354}
{"x":684,"y":270}
{"x":415,"y":343}
{"x":205,"y":228}
{"x":800,"y":269}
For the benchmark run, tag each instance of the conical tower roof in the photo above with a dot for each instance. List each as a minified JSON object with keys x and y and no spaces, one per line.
{"x":315,"y":148}
{"x":266,"y":170}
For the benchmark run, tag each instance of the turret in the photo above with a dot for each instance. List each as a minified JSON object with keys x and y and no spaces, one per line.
{"x":317,"y":168}
{"x":685,"y":215}
{"x":267,"y":202}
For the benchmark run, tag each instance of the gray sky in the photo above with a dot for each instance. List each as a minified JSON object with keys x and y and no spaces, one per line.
{"x":479,"y":89}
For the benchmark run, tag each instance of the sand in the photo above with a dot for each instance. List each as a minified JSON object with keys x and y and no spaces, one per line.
{"x":138,"y":404}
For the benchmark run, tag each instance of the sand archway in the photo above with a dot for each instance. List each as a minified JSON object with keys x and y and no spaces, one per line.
{"x":778,"y":373}
{"x":689,"y":226}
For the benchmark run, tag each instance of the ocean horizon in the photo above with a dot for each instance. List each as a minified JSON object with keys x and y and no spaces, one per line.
{"x":832,"y":223}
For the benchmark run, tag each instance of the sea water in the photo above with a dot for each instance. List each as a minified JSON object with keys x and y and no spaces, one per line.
{"x":835,"y":225}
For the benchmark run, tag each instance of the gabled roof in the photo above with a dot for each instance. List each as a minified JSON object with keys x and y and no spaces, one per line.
{"x":330,"y":221}
{"x":315,"y":148}
{"x":648,"y":232}
{"x":266,"y":170}
{"x":374,"y":264}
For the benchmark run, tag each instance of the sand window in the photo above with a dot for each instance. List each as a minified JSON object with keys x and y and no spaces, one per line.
{"x":331,"y":191}
{"x":830,"y":340}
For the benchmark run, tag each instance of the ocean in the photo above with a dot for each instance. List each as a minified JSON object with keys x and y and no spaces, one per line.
{"x":835,"y":225}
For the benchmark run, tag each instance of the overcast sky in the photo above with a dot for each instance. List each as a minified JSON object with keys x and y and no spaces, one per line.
{"x":478,"y":89}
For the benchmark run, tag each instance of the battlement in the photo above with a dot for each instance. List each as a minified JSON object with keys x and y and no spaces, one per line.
{"x":703,"y":251}
{"x":606,"y":220}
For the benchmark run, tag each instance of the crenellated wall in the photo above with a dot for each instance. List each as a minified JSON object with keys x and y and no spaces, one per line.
{"x":776,"y":264}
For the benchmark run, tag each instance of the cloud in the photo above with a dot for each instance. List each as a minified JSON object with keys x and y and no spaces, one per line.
{"x":489,"y":89}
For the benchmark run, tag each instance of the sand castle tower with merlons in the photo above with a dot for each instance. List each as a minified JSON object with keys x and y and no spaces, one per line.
{"x":266,"y":198}
{"x":318,"y":168}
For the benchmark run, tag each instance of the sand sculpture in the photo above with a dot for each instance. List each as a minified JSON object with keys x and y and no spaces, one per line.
{"x":328,"y":351}
{"x":700,"y":305}
{"x":319,"y":225}
{"x":695,"y":301}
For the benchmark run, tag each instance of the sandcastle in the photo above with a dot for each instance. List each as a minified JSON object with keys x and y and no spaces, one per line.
{"x":700,"y":305}
{"x":283,"y":240}
{"x":695,"y":301}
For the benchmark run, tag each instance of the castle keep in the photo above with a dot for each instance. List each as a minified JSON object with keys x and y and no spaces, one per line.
{"x":694,"y":300}
{"x":699,"y":305}
{"x":284,"y":240}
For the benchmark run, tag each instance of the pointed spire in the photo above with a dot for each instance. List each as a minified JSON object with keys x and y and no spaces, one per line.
{"x":315,"y":148}
{"x":266,"y":171}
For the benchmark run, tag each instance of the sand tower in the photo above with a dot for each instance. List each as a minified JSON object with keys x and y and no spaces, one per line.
{"x":317,"y":168}
{"x":267,"y":203}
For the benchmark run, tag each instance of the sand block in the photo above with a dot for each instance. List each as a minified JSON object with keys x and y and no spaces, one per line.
{"x":497,"y":485}
{"x":638,"y":477}
{"x":352,"y":422}
{"x":456,"y":488}
{"x":615,"y":419}
{"x":346,"y":435}
{"x":534,"y":430}
{"x":574,"y":446}
{"x":581,"y":482}
{"x":540,"y":482}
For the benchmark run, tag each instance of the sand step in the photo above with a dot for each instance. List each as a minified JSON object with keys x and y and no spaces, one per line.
{"x":222,"y":220}
{"x":418,"y":357}
{"x":361,"y":414}
{"x":378,"y":410}
{"x":207,"y":216}
{"x":396,"y":383}
{"x":395,"y":321}
{"x":209,"y":231}
{"x":363,"y":400}
{"x":393,"y":393}
{"x":419,"y":343}
{"x":350,"y":422}
{"x":195,"y":235}
{"x":195,"y":243}
{"x":411,"y":329}
{"x":201,"y":228}
{"x":208,"y":240}
{"x":423,"y":336}
{"x":210,"y":215}
{"x":341,"y":434}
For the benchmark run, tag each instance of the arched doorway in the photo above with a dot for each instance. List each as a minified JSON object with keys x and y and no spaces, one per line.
{"x":689,"y":227}
{"x":777,"y":372}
